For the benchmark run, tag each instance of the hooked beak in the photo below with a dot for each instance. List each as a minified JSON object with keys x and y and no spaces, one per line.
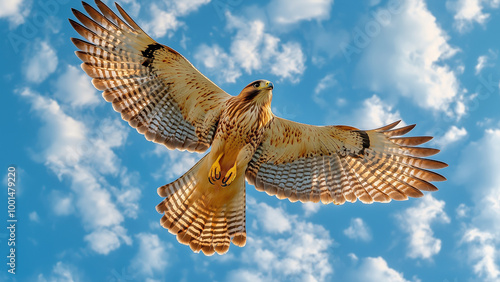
{"x":269,"y":85}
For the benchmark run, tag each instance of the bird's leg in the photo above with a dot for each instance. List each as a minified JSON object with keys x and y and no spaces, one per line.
{"x":244,"y":156}
{"x":215,"y":171}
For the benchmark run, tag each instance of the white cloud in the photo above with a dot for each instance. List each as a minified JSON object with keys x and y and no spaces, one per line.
{"x":244,"y":275}
{"x":33,"y":216}
{"x":161,"y":22}
{"x":300,"y":252}
{"x":485,"y":61}
{"x":483,"y":251}
{"x":478,"y":172}
{"x":177,"y":163}
{"x":62,"y":204}
{"x":74,"y":88}
{"x":358,"y":230}
{"x":40,"y":63}
{"x":481,"y":63}
{"x":375,"y":113}
{"x":273,"y":220}
{"x":184,"y":7}
{"x":105,"y":240}
{"x":451,"y":136}
{"x":61,"y":272}
{"x":376,"y":269}
{"x":468,"y":12}
{"x":84,"y":155}
{"x":14,"y":10}
{"x":310,"y":208}
{"x":406,"y":57}
{"x":417,"y":220}
{"x":151,"y":257}
{"x":213,"y":57}
{"x":252,"y":50}
{"x":326,"y":82}
{"x":462,"y":211}
{"x":293,"y":11}
{"x":165,"y":19}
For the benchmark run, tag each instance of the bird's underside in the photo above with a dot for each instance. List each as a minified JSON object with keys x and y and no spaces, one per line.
{"x":162,"y":95}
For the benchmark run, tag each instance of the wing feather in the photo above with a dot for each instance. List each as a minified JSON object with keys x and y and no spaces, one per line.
{"x":157,"y":90}
{"x":339,"y":163}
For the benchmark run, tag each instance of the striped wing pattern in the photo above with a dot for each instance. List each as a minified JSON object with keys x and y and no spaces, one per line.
{"x":337,"y":164}
{"x":155,"y":89}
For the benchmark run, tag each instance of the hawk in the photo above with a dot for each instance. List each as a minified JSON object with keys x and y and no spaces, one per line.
{"x":162,"y":95}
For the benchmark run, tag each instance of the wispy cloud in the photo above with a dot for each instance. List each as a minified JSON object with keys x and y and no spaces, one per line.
{"x":84,"y":155}
{"x":478,"y":172}
{"x":40,"y":63}
{"x":416,"y":222}
{"x":454,"y":134}
{"x":152,"y":257}
{"x":294,"y":11}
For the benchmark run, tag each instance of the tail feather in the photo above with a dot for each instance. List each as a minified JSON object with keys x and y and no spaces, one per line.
{"x":191,"y":214}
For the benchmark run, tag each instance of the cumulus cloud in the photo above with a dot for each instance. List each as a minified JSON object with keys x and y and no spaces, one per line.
{"x":74,"y":88}
{"x":406,"y":57}
{"x":165,"y":16}
{"x":416,"y":222}
{"x":61,"y":272}
{"x":468,"y":12}
{"x":310,"y":208}
{"x":376,"y":269}
{"x":293,"y":11}
{"x":454,"y":134}
{"x":151,"y":257}
{"x":273,"y":220}
{"x":84,"y":155}
{"x":252,"y":50}
{"x":478,"y":172}
{"x":375,"y":113}
{"x":41,"y":62}
{"x":15,"y":11}
{"x":298,"y":252}
{"x":358,"y":230}
{"x":105,"y":240}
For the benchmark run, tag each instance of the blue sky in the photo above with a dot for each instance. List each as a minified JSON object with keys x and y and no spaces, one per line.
{"x":86,"y":181}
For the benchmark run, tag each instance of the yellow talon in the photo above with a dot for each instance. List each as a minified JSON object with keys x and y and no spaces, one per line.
{"x":230,"y":176}
{"x":215,"y":171}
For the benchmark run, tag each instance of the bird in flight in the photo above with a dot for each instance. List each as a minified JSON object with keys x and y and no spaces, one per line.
{"x":162,"y":95}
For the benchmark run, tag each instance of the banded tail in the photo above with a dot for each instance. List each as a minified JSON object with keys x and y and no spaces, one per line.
{"x":204,"y":216}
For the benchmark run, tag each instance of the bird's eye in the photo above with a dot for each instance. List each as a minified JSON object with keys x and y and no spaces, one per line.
{"x":256,"y":84}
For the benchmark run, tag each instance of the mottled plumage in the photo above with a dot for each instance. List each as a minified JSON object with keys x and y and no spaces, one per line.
{"x":167,"y":99}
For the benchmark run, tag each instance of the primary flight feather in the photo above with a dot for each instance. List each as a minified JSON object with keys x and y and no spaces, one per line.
{"x":167,"y":99}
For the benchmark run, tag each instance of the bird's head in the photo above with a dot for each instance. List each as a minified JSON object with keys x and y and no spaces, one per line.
{"x":258,"y":91}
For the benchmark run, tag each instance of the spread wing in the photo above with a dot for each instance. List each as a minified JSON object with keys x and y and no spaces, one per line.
{"x":157,"y":90}
{"x":340,"y":163}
